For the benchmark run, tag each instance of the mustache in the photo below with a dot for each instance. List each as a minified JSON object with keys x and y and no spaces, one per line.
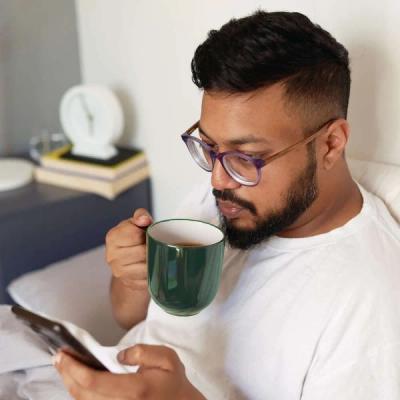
{"x":228,"y":195}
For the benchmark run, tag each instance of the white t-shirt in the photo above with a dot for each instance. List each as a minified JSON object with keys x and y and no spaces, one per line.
{"x":315,"y":318}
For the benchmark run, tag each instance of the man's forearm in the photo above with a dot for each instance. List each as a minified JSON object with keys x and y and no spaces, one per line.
{"x":129,"y":305}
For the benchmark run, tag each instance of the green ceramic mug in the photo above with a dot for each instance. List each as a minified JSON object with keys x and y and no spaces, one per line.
{"x":184,"y":260}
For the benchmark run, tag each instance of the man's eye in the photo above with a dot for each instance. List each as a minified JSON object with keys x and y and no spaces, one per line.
{"x":253,"y":155}
{"x":258,"y":155}
{"x":208,"y":143}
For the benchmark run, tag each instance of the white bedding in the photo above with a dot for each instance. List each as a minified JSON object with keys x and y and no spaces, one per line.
{"x":41,"y":383}
{"x":26,"y":371}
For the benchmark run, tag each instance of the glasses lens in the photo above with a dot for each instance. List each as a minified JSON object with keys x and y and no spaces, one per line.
{"x":199,"y":153}
{"x":241,"y":168}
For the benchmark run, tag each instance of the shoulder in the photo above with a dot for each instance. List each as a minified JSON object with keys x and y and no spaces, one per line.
{"x":367,"y":257}
{"x":364,"y":271}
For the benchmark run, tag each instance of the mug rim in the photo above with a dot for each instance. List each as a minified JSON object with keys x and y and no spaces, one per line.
{"x":184,"y":247}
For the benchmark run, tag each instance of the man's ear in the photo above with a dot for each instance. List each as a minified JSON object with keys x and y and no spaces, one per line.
{"x":333,"y":143}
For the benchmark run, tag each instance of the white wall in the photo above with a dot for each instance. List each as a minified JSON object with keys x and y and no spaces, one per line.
{"x":39,"y":62}
{"x":143,"y":50}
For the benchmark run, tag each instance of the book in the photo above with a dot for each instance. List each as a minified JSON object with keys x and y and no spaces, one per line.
{"x":62,"y":159}
{"x":87,"y":182}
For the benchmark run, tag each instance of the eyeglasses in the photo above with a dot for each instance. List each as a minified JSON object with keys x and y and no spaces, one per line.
{"x":243,"y":168}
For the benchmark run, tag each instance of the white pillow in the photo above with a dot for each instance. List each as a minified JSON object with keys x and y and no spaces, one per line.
{"x":75,"y":289}
{"x":381,"y":179}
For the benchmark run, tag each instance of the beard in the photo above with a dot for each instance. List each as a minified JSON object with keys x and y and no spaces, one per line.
{"x":301,"y":194}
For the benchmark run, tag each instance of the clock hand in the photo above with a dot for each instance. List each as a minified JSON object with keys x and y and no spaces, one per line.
{"x":87,"y":112}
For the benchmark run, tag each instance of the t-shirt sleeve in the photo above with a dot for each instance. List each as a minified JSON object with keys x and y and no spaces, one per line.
{"x":374,"y":376}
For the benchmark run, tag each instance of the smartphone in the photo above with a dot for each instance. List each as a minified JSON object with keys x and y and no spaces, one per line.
{"x":57,"y":337}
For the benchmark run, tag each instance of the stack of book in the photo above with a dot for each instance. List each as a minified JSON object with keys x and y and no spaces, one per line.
{"x":107,"y":178}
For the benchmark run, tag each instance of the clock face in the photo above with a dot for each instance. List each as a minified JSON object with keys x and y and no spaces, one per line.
{"x":91,"y":114}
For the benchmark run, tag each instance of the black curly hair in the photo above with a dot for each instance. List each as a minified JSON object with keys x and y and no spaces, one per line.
{"x":264,"y":48}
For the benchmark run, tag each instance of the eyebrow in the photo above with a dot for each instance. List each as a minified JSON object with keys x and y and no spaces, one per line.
{"x":239,"y":141}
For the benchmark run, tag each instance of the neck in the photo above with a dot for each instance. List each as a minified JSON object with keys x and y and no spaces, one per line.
{"x":339,"y":201}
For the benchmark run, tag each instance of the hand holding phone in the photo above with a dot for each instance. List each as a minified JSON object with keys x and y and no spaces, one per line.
{"x":67,"y":337}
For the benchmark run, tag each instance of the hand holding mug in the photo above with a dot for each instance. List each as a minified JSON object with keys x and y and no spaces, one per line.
{"x":126,"y":250}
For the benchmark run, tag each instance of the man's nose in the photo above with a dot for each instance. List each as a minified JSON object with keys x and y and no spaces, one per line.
{"x":220,"y":179}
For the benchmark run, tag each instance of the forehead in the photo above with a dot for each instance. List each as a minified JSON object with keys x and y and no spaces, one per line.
{"x":262,"y":113}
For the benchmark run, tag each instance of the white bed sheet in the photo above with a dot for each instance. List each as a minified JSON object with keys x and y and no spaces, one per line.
{"x":26,"y":371}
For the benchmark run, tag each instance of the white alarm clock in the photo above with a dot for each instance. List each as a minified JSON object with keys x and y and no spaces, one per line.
{"x":92,"y":118}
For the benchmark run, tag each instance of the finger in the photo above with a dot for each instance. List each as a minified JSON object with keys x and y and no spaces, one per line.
{"x":78,"y":392}
{"x":127,"y":255}
{"x":141,"y":217}
{"x":130,"y":232}
{"x":131,"y":272}
{"x":126,"y":233}
{"x":135,"y":284}
{"x":84,"y":381}
{"x":151,"y":356}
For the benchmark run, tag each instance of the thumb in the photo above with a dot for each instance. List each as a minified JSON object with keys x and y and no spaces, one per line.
{"x":150,"y":356}
{"x":141,"y":218}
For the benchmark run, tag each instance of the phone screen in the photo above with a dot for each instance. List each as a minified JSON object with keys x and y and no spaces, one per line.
{"x":57,"y":337}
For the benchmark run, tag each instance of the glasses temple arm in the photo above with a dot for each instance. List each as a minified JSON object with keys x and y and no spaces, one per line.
{"x":303,"y":141}
{"x":192,"y":128}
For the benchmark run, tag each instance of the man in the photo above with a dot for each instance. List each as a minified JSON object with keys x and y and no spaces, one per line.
{"x":309,"y":302}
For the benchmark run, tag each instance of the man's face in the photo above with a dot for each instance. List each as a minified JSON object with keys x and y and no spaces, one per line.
{"x":259,"y":124}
